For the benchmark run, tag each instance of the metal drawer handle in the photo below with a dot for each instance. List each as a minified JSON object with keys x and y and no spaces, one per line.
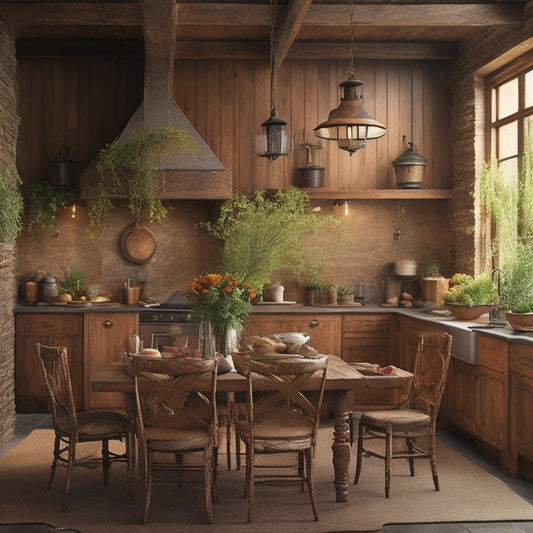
{"x":107,"y":324}
{"x":47,"y":324}
{"x":314,"y":323}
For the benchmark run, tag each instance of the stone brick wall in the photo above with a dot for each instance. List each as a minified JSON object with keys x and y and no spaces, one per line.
{"x":8,"y":144}
{"x":477,"y":59}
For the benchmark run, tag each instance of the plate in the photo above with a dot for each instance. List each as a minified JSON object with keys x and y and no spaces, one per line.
{"x":277,"y":303}
{"x":79,"y":303}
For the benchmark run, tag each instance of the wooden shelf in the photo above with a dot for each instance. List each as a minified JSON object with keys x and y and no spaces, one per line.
{"x":381,"y":194}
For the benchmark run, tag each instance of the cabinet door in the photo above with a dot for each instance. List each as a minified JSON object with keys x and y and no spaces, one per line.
{"x":521,"y":367}
{"x":52,"y":330}
{"x":368,"y":338}
{"x":104,"y":344}
{"x":325,"y":330}
{"x":462,"y":394}
{"x":492,"y":404}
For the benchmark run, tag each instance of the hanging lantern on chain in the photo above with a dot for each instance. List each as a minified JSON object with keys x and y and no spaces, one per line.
{"x":350,"y":124}
{"x":273,"y":141}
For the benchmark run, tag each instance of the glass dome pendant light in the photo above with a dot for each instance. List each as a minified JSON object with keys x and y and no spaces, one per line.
{"x":273,"y":141}
{"x":350,"y":124}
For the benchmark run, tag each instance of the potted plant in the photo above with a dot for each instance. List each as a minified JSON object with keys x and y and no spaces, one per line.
{"x":469,"y":297}
{"x":517,"y":288}
{"x":433,"y":285}
{"x":344,"y":295}
{"x":269,"y":234}
{"x":316,"y":292}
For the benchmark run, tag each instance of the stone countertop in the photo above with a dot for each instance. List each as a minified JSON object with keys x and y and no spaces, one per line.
{"x":461,"y":328}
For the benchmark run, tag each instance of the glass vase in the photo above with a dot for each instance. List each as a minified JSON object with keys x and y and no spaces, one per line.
{"x":210,"y":344}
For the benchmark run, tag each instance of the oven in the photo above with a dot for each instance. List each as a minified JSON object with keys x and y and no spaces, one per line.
{"x":165,"y":327}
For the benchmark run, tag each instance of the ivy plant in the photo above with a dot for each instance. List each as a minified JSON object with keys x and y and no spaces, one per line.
{"x":132,"y":169}
{"x":11,"y":206}
{"x":45,"y":199}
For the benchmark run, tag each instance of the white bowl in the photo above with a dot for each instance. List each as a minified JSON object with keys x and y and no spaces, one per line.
{"x":293,"y":338}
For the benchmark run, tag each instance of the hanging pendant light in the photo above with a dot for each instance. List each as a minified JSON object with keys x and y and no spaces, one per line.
{"x":350,"y":124}
{"x":273,"y":141}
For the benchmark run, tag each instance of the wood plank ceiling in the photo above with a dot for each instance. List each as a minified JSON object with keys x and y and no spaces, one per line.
{"x":427,"y":29}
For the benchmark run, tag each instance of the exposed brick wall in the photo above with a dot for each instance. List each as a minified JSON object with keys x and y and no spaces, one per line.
{"x":478,"y":58}
{"x":8,"y":143}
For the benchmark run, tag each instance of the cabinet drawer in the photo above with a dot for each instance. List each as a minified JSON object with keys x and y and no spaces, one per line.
{"x":357,"y":323}
{"x":50,"y":324}
{"x":491,"y":353}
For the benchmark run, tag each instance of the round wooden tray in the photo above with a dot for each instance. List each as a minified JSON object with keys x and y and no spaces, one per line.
{"x":137,"y":244}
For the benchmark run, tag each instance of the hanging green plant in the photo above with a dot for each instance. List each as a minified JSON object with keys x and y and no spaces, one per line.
{"x":45,"y":200}
{"x":132,"y":169}
{"x":11,"y":206}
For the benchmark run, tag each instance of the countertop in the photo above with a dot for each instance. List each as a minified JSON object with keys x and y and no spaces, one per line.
{"x":461,"y":328}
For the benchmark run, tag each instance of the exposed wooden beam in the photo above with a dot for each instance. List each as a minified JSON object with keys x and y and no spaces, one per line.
{"x":288,"y":29}
{"x":119,"y":13}
{"x":322,"y":50}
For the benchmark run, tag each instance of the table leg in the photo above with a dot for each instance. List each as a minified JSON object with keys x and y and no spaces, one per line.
{"x":341,"y":445}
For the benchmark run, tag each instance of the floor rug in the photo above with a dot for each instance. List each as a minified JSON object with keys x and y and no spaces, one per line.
{"x":467,"y":494}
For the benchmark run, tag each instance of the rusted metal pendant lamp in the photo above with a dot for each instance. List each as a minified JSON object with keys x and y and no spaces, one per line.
{"x":273,"y":141}
{"x":350,"y":124}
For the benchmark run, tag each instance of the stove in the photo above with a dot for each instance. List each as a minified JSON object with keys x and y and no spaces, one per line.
{"x":168,"y":327}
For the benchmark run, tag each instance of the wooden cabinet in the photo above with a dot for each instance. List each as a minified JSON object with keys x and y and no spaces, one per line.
{"x":324,"y":329}
{"x":52,"y":329}
{"x":104,"y":343}
{"x":368,"y":338}
{"x":462,"y":395}
{"x":409,"y":331}
{"x":521,"y":398}
{"x":492,"y":390}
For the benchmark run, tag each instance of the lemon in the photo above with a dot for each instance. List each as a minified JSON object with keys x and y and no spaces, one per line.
{"x":65,"y":297}
{"x":83,"y":298}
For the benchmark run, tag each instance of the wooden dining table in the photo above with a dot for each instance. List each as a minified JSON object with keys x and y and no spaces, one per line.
{"x":342,"y":382}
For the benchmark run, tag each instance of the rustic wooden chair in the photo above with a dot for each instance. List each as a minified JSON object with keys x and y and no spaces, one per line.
{"x":174,"y":418}
{"x":419,"y":420}
{"x":72,"y":427}
{"x":282,"y":419}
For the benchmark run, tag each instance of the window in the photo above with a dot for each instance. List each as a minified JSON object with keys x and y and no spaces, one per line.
{"x":503,"y":208}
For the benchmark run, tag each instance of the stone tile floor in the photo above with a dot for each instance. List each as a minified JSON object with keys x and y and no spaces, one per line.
{"x":26,"y":423}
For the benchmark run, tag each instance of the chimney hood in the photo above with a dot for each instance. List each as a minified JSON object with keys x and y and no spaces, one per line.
{"x":188,"y":175}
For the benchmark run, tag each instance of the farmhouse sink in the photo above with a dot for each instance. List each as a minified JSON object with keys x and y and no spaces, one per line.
{"x":464,"y":339}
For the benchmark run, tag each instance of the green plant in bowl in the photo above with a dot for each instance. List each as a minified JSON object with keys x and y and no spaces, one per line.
{"x":470,"y":296}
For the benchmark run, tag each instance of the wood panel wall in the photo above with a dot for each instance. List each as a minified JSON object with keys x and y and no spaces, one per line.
{"x":86,"y":100}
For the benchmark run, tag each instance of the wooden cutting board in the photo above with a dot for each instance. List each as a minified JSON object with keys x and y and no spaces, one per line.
{"x":137,"y":244}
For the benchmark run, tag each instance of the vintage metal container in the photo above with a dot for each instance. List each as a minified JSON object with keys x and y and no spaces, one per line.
{"x":409,"y":169}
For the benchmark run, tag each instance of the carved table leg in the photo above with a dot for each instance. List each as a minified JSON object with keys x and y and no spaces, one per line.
{"x":341,"y":445}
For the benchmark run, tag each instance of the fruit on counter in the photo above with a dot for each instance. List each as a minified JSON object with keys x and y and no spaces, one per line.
{"x":65,"y":297}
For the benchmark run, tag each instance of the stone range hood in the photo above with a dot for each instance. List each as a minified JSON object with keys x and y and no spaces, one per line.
{"x":195,"y":175}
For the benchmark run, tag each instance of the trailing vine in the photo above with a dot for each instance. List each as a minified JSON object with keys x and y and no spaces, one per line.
{"x":11,"y":207}
{"x":132,"y":168}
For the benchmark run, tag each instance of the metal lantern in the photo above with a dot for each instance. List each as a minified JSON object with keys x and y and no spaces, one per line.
{"x":63,"y":169}
{"x":273,"y":141}
{"x":409,"y":168}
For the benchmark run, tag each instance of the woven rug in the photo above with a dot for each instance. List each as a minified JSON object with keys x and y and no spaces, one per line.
{"x":467,"y":494}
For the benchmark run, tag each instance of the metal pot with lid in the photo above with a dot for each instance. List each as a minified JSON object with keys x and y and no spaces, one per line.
{"x":47,"y":288}
{"x":409,"y":168}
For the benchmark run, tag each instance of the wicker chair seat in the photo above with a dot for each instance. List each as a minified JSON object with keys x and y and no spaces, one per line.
{"x":96,"y":425}
{"x":165,"y":439}
{"x":401,"y":420}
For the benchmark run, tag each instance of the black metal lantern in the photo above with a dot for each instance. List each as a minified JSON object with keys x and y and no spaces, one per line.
{"x":273,"y":141}
{"x":63,"y":169}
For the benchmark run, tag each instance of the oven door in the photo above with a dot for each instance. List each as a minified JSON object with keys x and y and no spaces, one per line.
{"x":159,"y":335}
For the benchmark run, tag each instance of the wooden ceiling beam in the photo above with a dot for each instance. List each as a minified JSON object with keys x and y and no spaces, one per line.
{"x":288,"y":29}
{"x":323,"y":50}
{"x":120,"y":13}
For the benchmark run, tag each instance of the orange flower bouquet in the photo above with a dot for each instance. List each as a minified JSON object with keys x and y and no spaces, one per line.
{"x":221,"y":300}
